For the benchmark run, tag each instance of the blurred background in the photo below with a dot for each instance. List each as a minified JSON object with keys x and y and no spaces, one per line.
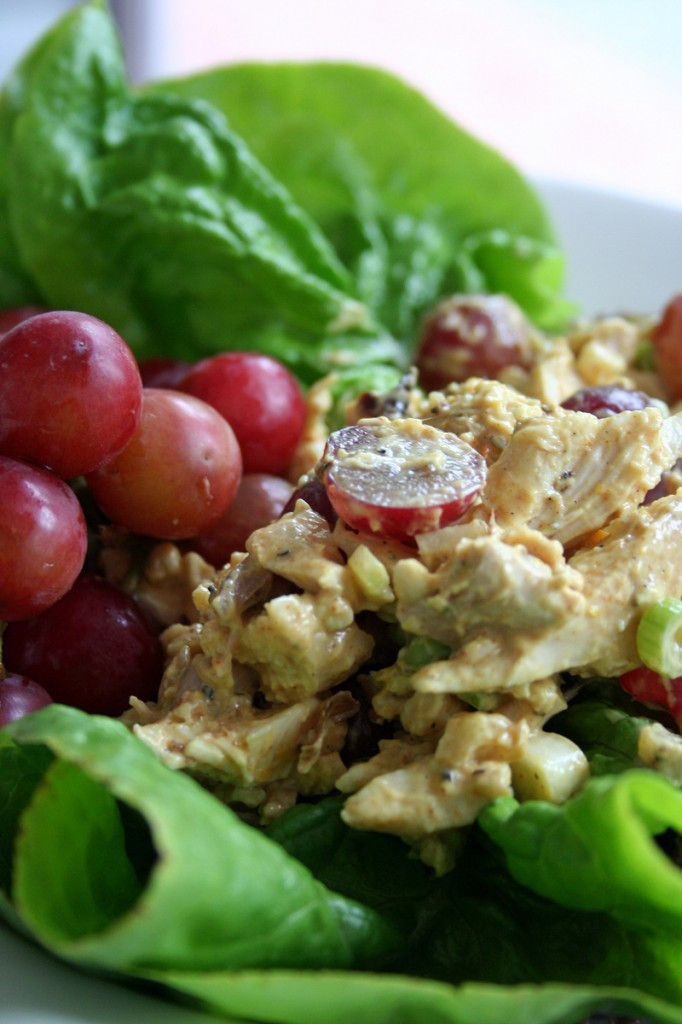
{"x":583,"y":91}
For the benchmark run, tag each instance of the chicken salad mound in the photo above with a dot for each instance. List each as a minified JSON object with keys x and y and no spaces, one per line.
{"x":419,"y":675}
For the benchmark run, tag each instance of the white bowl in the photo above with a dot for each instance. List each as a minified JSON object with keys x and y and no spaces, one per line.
{"x":624,"y":254}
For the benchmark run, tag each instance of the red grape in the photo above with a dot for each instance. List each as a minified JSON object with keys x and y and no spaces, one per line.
{"x":472,"y":336}
{"x":43,"y":539}
{"x":9,"y":318}
{"x":260,"y":399}
{"x":93,"y":649}
{"x":19,"y":696}
{"x":647,"y":686}
{"x":666,"y":339}
{"x":159,"y":372}
{"x":177,"y":475}
{"x":315,"y":494}
{"x":259,"y":500}
{"x":607,"y":400}
{"x":70,"y":392}
{"x":400,"y":478}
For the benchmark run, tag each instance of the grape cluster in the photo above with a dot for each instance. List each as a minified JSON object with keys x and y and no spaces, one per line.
{"x":166,"y":449}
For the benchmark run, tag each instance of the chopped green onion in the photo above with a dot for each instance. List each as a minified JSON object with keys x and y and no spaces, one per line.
{"x":659,"y":637}
{"x":481,"y":701}
{"x":422,"y":650}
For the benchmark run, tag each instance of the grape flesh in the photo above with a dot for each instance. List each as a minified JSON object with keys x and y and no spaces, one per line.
{"x":43,"y":539}
{"x":398,"y":478}
{"x":20,"y":696}
{"x":472,"y":336}
{"x":261,"y":400}
{"x":177,"y":475}
{"x":70,"y":392}
{"x":93,"y":649}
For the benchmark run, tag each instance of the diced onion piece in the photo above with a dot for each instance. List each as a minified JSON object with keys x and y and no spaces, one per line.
{"x":552,"y":768}
{"x":659,"y":637}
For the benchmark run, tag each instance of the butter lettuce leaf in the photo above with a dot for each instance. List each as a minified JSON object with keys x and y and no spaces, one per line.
{"x":208,"y":891}
{"x":598,"y":851}
{"x":280,"y":997}
{"x":148,"y":211}
{"x":121,"y":865}
{"x":310,"y":211}
{"x":416,"y":205}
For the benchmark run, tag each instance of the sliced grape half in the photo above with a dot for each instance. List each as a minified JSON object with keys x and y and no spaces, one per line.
{"x":399,"y":478}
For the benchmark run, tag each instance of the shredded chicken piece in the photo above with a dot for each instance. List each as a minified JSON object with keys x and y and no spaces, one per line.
{"x":488,"y":581}
{"x":484,"y":413}
{"x":570,"y":473}
{"x":469,"y":768}
{"x":638,"y":562}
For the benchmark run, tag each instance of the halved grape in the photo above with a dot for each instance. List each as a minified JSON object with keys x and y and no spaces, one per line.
{"x":20,"y":696}
{"x":70,"y":392}
{"x":606,"y":400}
{"x":177,"y":475}
{"x":260,"y":399}
{"x":472,"y":336}
{"x":398,"y":478}
{"x":666,"y":339}
{"x":43,"y":539}
{"x":93,"y":649}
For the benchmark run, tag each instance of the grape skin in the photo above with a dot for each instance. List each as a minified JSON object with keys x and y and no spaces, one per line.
{"x":93,"y":649}
{"x":20,"y":696}
{"x":259,"y":500}
{"x":70,"y":392}
{"x":261,"y":400}
{"x":177,"y":475}
{"x":43,"y":539}
{"x":472,"y":336}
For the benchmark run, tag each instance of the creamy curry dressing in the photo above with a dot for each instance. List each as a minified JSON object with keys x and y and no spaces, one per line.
{"x":421,"y":680}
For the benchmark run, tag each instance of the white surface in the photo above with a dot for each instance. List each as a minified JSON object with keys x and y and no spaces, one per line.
{"x":623,"y":254}
{"x":588,"y":91}
{"x":37,"y":989}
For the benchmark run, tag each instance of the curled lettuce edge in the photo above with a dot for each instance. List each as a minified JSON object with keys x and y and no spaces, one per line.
{"x":110,"y":756}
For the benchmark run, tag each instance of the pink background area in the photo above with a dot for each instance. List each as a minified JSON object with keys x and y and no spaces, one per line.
{"x":586,"y":91}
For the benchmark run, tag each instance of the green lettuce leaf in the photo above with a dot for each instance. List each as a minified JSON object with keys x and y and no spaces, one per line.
{"x":176,"y":880}
{"x":411,"y":201}
{"x":605,"y":722}
{"x":597,"y":851}
{"x":147,"y":210}
{"x":301,"y":997}
{"x":476,"y":924}
{"x":121,"y":865}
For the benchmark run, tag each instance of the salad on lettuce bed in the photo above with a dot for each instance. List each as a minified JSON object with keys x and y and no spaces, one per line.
{"x":288,"y":209}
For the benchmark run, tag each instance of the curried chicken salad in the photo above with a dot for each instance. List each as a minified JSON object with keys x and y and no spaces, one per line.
{"x":419,"y":677}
